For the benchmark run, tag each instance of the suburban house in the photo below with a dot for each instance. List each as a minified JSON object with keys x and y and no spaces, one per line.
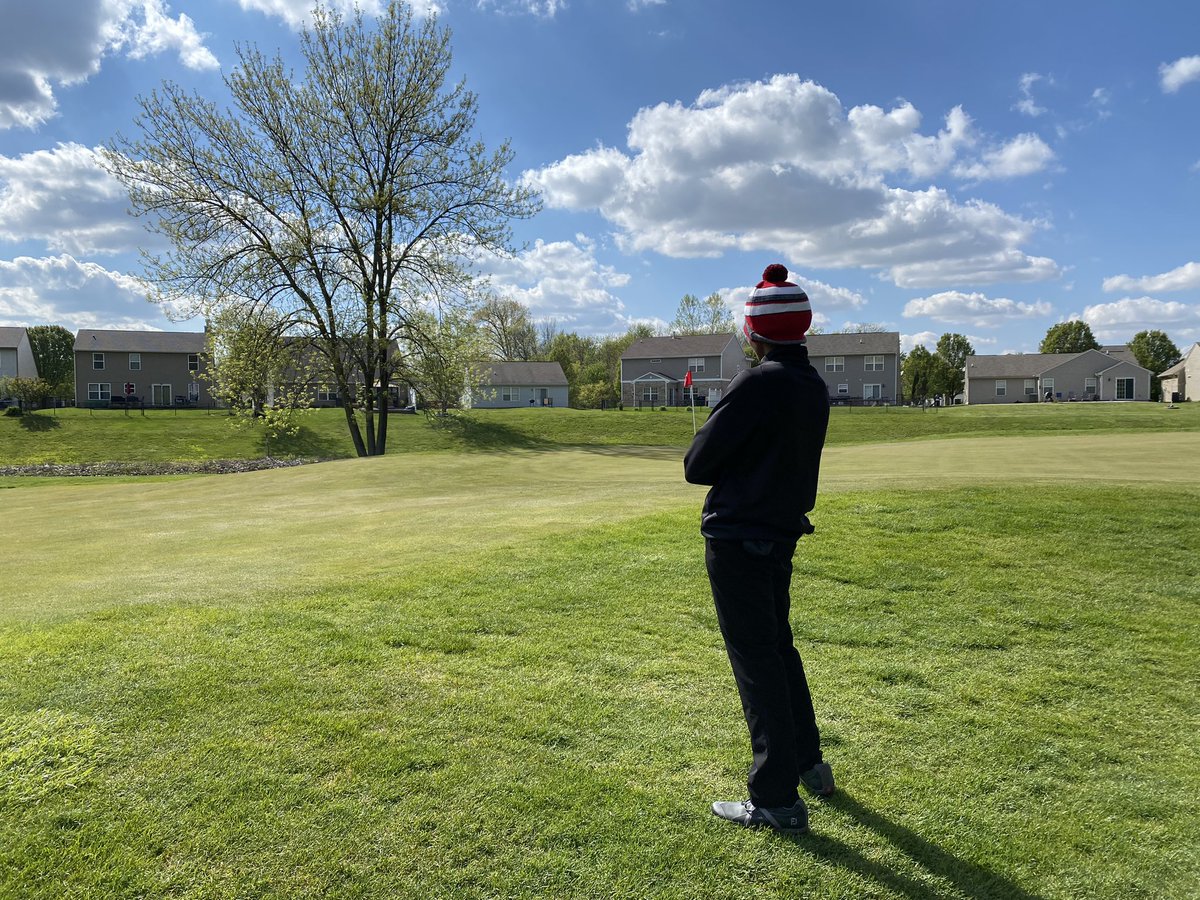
{"x":1108,"y":374}
{"x":1182,"y":380}
{"x":159,"y":368}
{"x":653,"y":370}
{"x":857,"y":367}
{"x":519,"y":384}
{"x":16,"y":356}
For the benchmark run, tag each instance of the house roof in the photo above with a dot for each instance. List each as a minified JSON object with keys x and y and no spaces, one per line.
{"x":11,"y":337}
{"x":99,"y":341}
{"x":869,"y":342}
{"x":675,"y":345}
{"x":1174,"y":370}
{"x":1033,"y":365}
{"x":1014,"y":365}
{"x":518,"y":373}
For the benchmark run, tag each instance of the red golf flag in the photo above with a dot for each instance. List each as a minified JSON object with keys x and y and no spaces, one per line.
{"x":687,"y":379}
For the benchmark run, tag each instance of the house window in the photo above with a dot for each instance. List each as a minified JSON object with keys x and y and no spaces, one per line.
{"x":835,"y":364}
{"x":193,"y":362}
{"x":1048,"y":387}
{"x":1124,"y":388}
{"x":1030,"y":387}
{"x":1089,"y":385}
{"x":100,"y":391}
{"x":194,"y":392}
{"x":510,"y":394}
{"x":696,"y":365}
{"x":874,"y":363}
{"x":872,"y":391}
{"x":655,"y":360}
{"x":97,"y":361}
{"x":326,"y":394}
{"x":650,"y":394}
{"x":1001,"y":387}
{"x":843,"y":388}
{"x":135,"y":362}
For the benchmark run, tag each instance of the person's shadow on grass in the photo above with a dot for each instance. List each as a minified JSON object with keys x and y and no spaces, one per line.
{"x":969,"y":878}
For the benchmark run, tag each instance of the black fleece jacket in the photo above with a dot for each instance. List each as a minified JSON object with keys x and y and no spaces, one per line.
{"x":761,"y":450}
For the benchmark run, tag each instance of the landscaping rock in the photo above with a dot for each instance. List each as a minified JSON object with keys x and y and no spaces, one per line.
{"x":207,"y":467}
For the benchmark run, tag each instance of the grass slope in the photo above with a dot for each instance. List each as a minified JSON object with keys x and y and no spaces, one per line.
{"x":527,"y":696}
{"x":76,"y":435}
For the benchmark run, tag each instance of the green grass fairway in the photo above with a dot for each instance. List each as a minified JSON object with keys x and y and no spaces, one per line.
{"x":498,"y":674}
{"x":80,"y":435}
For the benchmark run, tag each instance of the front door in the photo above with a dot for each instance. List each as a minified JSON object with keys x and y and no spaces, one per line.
{"x":160,"y":395}
{"x":1124,"y":388}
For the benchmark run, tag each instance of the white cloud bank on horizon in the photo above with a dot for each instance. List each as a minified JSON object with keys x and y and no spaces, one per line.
{"x":1186,"y":277}
{"x":780,"y":166}
{"x":64,"y":198}
{"x":55,"y":43}
{"x":1122,"y":319}
{"x":1175,"y":75}
{"x":975,"y":309}
{"x":64,"y":291}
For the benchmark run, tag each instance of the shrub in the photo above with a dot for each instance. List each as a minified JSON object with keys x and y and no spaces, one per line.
{"x":14,"y":411}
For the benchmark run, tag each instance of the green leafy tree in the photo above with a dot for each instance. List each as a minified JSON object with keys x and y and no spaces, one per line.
{"x":54,"y":354}
{"x":1069,"y":337}
{"x":953,"y":350}
{"x":445,"y":363}
{"x":344,"y":197}
{"x":1154,"y":351}
{"x":263,"y":378}
{"x":707,"y":316}
{"x":28,"y":392}
{"x":917,"y":372}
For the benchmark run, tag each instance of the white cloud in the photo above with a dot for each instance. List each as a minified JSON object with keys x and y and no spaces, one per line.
{"x":1175,"y":75}
{"x":1027,"y":105}
{"x":64,"y":198}
{"x":298,"y":13}
{"x":926,"y":339}
{"x":1023,"y":155}
{"x":637,"y":5}
{"x":973,"y":309}
{"x":64,"y":291}
{"x":704,"y":179}
{"x":1121,"y":319}
{"x":53,"y":43}
{"x":563,"y":280}
{"x":1183,"y":278}
{"x":543,"y":8}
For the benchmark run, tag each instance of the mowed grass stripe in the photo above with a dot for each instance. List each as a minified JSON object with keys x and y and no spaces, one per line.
{"x":1005,"y":674}
{"x":226,"y":539}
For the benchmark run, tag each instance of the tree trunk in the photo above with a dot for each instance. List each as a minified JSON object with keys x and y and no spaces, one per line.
{"x":355,"y":431}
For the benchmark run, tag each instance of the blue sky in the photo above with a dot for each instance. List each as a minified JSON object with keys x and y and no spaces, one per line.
{"x":986,"y":168}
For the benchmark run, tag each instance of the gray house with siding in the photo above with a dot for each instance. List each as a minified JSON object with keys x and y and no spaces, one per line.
{"x":1110,"y":374}
{"x":858,"y":366}
{"x":16,"y":355}
{"x":520,"y":384}
{"x":1182,"y":380}
{"x":653,"y":370}
{"x":164,"y":368}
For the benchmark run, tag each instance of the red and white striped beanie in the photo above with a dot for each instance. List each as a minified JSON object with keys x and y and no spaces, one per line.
{"x":777,"y":311}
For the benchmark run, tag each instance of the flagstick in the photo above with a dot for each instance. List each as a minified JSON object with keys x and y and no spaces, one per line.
{"x":693,"y":409}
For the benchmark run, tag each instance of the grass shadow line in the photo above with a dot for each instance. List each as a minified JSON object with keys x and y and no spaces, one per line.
{"x":972,"y":879}
{"x":842,"y":854}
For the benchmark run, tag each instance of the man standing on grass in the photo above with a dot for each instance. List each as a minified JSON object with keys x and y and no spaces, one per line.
{"x":761,"y":450}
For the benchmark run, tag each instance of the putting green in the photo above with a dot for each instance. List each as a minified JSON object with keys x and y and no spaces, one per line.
{"x":226,"y":539}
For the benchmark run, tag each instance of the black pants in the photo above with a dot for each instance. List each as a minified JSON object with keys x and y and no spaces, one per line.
{"x":750,"y":585}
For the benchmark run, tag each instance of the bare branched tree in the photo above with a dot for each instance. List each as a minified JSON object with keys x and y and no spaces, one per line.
{"x":342,"y":199}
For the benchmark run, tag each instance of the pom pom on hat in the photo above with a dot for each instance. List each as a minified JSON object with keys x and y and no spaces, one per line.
{"x":776,"y":272}
{"x":778,"y":311}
